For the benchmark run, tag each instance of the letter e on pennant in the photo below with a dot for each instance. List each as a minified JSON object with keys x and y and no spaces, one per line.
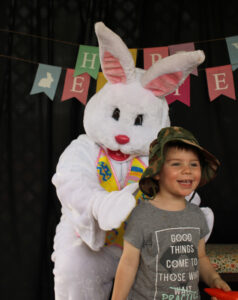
{"x":220,"y":82}
{"x":76,"y":86}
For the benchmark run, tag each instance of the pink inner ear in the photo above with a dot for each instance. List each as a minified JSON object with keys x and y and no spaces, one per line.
{"x":164,"y":84}
{"x":112,"y":69}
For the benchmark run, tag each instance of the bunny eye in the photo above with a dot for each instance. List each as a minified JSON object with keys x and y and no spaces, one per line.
{"x":116,"y":114}
{"x":139,"y":120}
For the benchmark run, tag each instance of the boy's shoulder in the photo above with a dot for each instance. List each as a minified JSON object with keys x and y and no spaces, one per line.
{"x":194,"y":207}
{"x":141,"y":207}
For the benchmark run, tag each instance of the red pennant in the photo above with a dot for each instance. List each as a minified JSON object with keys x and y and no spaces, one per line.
{"x":151,"y":55}
{"x":183,"y":47}
{"x":182,"y":93}
{"x":76,"y":86}
{"x":220,"y":82}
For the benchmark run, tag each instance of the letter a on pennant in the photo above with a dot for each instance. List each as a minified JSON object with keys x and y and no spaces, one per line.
{"x":87,"y":61}
{"x":76,"y":86}
{"x":220,"y":82}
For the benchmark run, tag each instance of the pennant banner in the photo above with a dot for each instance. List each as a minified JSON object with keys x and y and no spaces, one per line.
{"x":151,"y":55}
{"x":232,"y":46}
{"x":100,"y":81}
{"x":134,"y":54}
{"x":46,"y":80}
{"x":220,"y":82}
{"x":181,"y":94}
{"x":87,"y":61}
{"x":76,"y":86}
{"x":219,"y":79}
{"x":183,"y":47}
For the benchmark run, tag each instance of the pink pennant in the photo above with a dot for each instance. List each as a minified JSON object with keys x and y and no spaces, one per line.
{"x":151,"y":55}
{"x":76,"y":86}
{"x":182,"y":93}
{"x":183,"y":47}
{"x":220,"y":82}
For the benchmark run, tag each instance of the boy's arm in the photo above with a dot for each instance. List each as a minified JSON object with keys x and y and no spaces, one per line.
{"x":126,"y":271}
{"x":207,"y":272}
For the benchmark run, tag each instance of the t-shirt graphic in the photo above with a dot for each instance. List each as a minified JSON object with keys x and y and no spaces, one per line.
{"x":177,"y":263}
{"x":168,"y":243}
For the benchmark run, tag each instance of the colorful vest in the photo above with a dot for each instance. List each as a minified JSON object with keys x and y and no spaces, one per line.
{"x":108,"y":180}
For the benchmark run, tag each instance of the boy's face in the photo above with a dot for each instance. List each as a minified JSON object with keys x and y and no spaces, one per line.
{"x":180,"y":174}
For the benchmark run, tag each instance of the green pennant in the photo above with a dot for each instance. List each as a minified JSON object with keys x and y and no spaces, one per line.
{"x":87,"y":61}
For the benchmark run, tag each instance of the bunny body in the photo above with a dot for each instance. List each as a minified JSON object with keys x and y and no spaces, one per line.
{"x":120,"y":121}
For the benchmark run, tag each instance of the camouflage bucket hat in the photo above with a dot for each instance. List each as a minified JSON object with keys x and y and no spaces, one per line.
{"x":210,"y":164}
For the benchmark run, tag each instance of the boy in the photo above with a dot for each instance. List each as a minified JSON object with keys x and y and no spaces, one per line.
{"x":164,"y":248}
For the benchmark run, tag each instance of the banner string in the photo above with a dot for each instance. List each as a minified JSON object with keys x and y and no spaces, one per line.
{"x":75,"y":44}
{"x":39,"y":37}
{"x":20,"y":59}
{"x":24,"y":60}
{"x":36,"y":63}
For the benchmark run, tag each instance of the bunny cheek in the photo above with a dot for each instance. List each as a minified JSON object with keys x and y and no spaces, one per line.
{"x":116,"y":110}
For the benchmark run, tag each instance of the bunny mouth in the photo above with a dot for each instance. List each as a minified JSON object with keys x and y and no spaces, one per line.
{"x":118,"y":155}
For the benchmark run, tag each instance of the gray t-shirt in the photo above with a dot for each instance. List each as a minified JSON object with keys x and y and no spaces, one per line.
{"x":168,"y":241}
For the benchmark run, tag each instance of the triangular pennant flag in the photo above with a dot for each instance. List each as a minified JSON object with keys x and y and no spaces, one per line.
{"x":46,"y":80}
{"x":182,"y":93}
{"x":232,"y":45}
{"x":76,"y":86}
{"x":220,"y":82}
{"x":151,"y":55}
{"x":87,"y":61}
{"x":100,"y":81}
{"x":183,"y":47}
{"x":134,"y":54}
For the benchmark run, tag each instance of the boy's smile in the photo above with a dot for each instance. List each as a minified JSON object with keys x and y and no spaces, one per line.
{"x":180,"y":174}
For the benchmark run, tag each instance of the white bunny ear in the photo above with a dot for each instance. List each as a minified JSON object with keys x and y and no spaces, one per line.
{"x":164,"y":76}
{"x":116,"y":60}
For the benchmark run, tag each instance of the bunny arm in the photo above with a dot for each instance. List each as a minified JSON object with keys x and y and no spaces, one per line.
{"x":208,"y":213}
{"x":90,"y":208}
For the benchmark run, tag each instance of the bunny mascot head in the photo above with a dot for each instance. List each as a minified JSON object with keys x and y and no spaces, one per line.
{"x":132,"y":104}
{"x":97,"y":174}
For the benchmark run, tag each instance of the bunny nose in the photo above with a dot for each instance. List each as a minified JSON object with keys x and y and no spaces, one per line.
{"x":122,"y":139}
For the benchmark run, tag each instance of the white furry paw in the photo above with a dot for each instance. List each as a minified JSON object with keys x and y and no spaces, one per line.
{"x":209,"y":215}
{"x":114,"y":209}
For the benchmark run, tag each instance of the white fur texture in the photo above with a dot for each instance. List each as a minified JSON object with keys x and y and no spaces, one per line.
{"x":132,"y":100}
{"x":84,"y":268}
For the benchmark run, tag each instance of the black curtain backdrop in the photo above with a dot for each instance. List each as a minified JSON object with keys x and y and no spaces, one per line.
{"x":35,"y":130}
